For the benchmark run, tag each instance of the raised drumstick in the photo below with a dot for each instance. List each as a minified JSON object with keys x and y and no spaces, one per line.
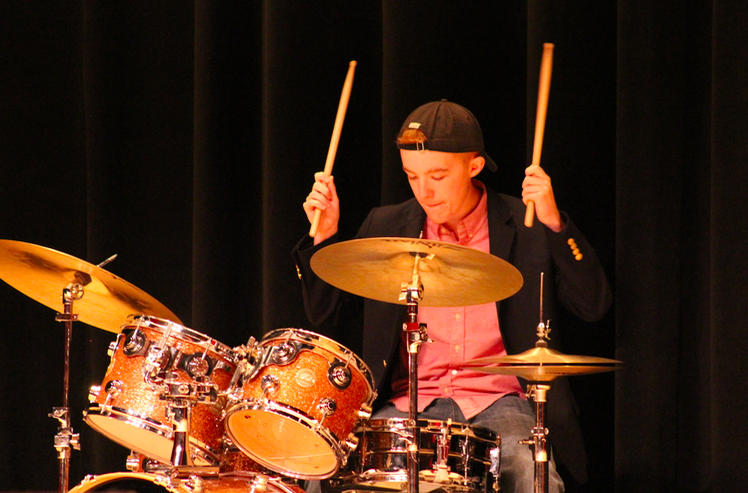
{"x":544,"y":87}
{"x":336,"y":130}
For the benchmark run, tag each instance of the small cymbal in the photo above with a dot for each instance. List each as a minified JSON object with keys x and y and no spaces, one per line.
{"x":452,"y":275}
{"x":541,"y":364}
{"x":42,"y":273}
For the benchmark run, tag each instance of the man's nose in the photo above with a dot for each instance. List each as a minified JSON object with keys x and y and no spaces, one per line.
{"x":425,"y":190}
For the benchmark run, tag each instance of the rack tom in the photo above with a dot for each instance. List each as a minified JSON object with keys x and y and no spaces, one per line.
{"x":295,"y":409}
{"x":129,"y":406}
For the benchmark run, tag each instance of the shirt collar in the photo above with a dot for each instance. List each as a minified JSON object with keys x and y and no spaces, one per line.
{"x":468,"y":227}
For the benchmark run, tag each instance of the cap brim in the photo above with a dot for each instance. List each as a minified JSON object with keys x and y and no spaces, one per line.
{"x":490,"y":164}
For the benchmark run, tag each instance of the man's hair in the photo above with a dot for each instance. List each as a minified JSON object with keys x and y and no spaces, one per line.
{"x":412,"y":136}
{"x":416,"y":136}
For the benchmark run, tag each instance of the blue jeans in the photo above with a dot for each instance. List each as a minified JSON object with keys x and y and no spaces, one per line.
{"x":513,"y":418}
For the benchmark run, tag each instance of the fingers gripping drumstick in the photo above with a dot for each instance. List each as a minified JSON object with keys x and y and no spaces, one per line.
{"x":544,"y":87}
{"x":342,"y":107}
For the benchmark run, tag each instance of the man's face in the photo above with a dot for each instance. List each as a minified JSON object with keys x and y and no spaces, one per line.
{"x":442,"y":183}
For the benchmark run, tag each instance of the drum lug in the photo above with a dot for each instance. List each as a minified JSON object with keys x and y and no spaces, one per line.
{"x":259,"y":483}
{"x":157,"y":357}
{"x":195,"y":484}
{"x":495,"y":468}
{"x":284,"y":353}
{"x":196,"y":365}
{"x":269,"y":384}
{"x":93,"y":393}
{"x":339,"y":375}
{"x":327,"y":406}
{"x":365,"y":412}
{"x":113,"y":388}
{"x":134,"y":343}
{"x":134,"y":462}
{"x":351,"y":442}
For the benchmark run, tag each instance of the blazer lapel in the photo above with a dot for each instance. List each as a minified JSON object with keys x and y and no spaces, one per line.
{"x":501,"y":234}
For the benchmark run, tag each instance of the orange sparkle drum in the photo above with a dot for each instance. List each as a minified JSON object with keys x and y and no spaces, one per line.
{"x":156,"y":483}
{"x":129,"y":405}
{"x":294,"y":410}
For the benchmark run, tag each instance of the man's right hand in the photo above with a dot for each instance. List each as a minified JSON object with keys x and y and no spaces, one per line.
{"x":323,"y":197}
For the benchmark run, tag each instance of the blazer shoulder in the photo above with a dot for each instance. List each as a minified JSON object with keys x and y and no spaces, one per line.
{"x":394,"y":220}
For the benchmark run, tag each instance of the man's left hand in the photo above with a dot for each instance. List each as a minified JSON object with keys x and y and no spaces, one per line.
{"x":537,"y":187}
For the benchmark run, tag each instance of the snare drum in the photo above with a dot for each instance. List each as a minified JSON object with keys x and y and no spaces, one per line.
{"x":295,"y":410}
{"x":153,"y":483}
{"x":128,"y":405}
{"x":452,"y":456}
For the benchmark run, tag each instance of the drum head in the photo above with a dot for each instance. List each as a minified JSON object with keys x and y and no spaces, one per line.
{"x":282,"y":444}
{"x":140,"y":435}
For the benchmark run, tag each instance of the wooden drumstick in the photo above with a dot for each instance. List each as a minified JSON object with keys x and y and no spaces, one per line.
{"x":336,"y":130}
{"x":544,"y":87}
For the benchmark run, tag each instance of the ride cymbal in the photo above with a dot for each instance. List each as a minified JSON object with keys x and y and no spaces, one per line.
{"x":541,"y":364}
{"x":451,"y":275}
{"x":42,"y":273}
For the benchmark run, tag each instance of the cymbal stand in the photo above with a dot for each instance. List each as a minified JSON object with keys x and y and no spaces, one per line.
{"x":539,"y":439}
{"x":65,"y":439}
{"x":538,"y":392}
{"x":416,"y":334}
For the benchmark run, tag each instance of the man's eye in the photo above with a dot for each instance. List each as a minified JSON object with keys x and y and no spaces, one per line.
{"x":438,"y":178}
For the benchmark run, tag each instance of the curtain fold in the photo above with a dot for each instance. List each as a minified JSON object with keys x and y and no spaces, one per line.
{"x":680,"y":131}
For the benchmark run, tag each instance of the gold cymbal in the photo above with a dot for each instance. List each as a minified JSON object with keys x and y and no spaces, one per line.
{"x":541,"y":364}
{"x":451,"y":275}
{"x":42,"y":273}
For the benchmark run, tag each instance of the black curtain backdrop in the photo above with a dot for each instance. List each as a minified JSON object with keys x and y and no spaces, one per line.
{"x":183,"y":136}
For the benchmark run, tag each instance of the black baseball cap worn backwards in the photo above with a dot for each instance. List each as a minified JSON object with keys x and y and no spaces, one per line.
{"x":448,"y":127}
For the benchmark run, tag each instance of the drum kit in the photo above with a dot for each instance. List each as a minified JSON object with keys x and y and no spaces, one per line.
{"x":199,"y":416}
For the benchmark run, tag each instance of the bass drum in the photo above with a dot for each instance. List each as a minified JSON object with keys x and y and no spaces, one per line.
{"x":137,"y":482}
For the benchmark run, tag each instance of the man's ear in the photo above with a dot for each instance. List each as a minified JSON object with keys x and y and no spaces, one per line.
{"x":476,"y":165}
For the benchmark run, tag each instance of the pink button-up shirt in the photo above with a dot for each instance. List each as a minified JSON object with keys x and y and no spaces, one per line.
{"x":460,"y":334}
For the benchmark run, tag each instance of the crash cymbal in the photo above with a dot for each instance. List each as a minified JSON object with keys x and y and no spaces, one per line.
{"x":541,"y":364}
{"x":42,"y":273}
{"x":452,"y":275}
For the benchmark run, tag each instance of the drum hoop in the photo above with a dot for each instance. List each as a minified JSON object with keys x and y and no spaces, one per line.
{"x":179,"y":332}
{"x":92,"y":481}
{"x":395,"y":424}
{"x":318,"y":340}
{"x":369,"y":478}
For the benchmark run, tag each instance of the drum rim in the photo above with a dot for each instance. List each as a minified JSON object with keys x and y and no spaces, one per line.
{"x":92,"y":481}
{"x":380,"y":425}
{"x":187,"y":334}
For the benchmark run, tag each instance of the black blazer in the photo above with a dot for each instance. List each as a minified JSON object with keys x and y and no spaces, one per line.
{"x":579,"y":285}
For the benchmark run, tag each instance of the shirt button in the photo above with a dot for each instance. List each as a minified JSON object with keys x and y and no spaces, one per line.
{"x":458,"y":316}
{"x":454,"y":372}
{"x":457,"y":349}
